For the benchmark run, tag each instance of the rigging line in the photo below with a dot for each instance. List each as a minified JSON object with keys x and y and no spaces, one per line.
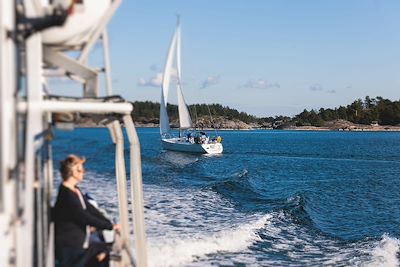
{"x":212,"y":121}
{"x":175,"y":113}
{"x":178,"y":84}
{"x":195,"y":116}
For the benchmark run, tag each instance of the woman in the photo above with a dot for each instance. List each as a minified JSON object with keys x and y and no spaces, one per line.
{"x":73,"y":216}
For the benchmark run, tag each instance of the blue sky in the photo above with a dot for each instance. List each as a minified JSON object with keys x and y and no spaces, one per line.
{"x":263,"y":57}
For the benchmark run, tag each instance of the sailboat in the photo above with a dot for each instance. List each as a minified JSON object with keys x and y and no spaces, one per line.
{"x":189,"y":139}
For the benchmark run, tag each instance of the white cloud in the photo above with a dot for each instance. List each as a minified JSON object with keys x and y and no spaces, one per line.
{"x":156,"y":81}
{"x":260,"y":84}
{"x":152,"y":82}
{"x":211,"y":80}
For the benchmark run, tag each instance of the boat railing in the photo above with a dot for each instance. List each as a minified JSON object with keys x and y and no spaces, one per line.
{"x":113,"y":115}
{"x":115,"y":112}
{"x":167,"y":135}
{"x":136,"y":186}
{"x":26,"y":120}
{"x":120,"y":248}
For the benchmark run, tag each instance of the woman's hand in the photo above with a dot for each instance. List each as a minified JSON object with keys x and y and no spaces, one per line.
{"x":116,"y":227}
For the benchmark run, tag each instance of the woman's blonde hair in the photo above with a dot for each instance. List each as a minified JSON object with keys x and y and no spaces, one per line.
{"x":67,"y":164}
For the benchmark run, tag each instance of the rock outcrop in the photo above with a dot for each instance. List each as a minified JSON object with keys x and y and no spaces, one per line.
{"x":217,"y":123}
{"x":224,"y":123}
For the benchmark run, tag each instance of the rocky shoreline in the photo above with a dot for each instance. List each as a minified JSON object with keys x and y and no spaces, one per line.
{"x":221,"y":123}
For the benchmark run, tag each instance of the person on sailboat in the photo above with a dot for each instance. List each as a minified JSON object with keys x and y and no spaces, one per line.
{"x":73,"y":217}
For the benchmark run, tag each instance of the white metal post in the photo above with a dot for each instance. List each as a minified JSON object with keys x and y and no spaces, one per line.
{"x":33,"y":128}
{"x":50,"y":248}
{"x":69,"y":106}
{"x":49,"y":191}
{"x":137,"y":192}
{"x":107,"y":65}
{"x":122,"y":188}
{"x":7,"y":120}
{"x":110,"y":128}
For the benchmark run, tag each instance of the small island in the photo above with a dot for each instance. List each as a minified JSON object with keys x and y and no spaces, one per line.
{"x":370,"y":114}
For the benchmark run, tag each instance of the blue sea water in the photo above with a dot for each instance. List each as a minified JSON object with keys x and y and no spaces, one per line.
{"x":282,"y":198}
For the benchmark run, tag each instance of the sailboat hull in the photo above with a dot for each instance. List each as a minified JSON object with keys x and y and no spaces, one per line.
{"x":182,"y":145}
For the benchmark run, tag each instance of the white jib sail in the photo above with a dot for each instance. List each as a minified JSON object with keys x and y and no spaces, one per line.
{"x":184,"y":117}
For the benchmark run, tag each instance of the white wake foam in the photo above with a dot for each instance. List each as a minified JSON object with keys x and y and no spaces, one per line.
{"x":189,"y":227}
{"x":385,"y":252}
{"x":178,"y":252}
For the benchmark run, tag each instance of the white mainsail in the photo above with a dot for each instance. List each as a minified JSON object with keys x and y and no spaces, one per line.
{"x":184,"y":116}
{"x":168,"y":69}
{"x":164,"y":121}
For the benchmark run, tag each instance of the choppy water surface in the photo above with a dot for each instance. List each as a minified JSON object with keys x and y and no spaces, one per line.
{"x":281,"y":198}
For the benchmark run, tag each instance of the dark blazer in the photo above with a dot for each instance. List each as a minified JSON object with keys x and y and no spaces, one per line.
{"x":71,"y":219}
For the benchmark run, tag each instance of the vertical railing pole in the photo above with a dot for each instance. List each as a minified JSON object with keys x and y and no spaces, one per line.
{"x":137,"y":192}
{"x":122,"y":188}
{"x":49,"y":225}
{"x":50,"y":248}
{"x":117,"y":246}
{"x":107,"y":65}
